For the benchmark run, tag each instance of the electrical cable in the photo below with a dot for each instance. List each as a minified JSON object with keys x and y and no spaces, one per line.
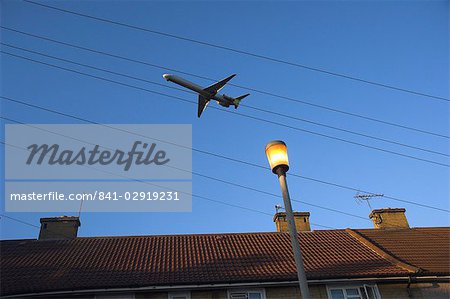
{"x":268,"y":58}
{"x":187,"y":193}
{"x":243,"y":105}
{"x":197,"y":173}
{"x":235,"y":85}
{"x":235,"y":113}
{"x":231,"y":159}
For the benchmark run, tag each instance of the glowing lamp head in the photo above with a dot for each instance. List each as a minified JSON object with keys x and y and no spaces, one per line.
{"x":276,"y":152}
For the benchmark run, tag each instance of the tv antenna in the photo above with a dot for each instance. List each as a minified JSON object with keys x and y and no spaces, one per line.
{"x":81,"y":205}
{"x":367,"y":197}
{"x":278,"y":207}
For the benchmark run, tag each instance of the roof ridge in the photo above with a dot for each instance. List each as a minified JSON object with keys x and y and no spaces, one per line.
{"x":387,"y":256}
{"x":177,"y":235}
{"x":401,"y":228}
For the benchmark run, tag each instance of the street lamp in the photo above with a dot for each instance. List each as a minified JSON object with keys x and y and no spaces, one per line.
{"x":276,"y":152}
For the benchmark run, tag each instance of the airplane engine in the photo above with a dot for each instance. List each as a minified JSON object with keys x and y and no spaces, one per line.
{"x":223,"y":104}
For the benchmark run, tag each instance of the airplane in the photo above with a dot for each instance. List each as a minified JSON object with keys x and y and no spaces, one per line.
{"x":208,"y":93}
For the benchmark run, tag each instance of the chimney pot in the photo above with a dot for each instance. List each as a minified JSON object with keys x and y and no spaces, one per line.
{"x":63,"y":227}
{"x":301,"y":222}
{"x":389,"y":218}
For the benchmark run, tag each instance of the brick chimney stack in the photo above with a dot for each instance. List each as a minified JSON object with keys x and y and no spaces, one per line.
{"x":389,"y":218}
{"x":301,"y":222}
{"x":63,"y":227}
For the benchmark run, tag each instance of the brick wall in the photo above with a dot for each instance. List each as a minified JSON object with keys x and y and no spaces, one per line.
{"x":430,"y":290}
{"x":316,"y":292}
{"x":216,"y":294}
{"x":436,"y":290}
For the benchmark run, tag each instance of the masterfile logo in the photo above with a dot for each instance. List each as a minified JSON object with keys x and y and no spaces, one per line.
{"x":99,"y":151}
{"x":107,"y":167}
{"x":84,"y":156}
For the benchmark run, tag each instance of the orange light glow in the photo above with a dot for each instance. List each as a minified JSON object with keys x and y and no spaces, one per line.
{"x":276,"y":152}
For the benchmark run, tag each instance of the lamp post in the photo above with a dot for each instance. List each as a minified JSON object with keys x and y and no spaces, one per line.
{"x":276,"y":152}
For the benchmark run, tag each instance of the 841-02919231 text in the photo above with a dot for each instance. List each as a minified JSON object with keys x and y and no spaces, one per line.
{"x":97,"y":196}
{"x":136,"y":195}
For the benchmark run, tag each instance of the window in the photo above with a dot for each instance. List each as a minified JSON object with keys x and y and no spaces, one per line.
{"x":246,"y":294}
{"x":353,"y":292}
{"x":180,"y":295}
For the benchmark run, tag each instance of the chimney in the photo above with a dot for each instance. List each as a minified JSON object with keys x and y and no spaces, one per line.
{"x":63,"y":227}
{"x":389,"y":218}
{"x":301,"y":222}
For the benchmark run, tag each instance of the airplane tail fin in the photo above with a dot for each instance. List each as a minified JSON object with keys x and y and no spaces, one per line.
{"x":238,"y":99}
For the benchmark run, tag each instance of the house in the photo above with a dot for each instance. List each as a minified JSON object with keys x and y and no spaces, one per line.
{"x":390,"y":261}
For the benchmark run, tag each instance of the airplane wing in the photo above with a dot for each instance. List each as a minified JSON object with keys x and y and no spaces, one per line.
{"x":214,"y":88}
{"x":202,"y":103}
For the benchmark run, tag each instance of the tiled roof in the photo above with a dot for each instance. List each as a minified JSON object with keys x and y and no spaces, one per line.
{"x":137,"y":261}
{"x":427,"y":248}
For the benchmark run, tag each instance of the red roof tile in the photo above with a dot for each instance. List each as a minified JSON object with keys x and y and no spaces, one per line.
{"x":114,"y":262}
{"x":427,"y":248}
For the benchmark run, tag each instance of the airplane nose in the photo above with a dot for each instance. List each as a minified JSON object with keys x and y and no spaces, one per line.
{"x":166,"y":76}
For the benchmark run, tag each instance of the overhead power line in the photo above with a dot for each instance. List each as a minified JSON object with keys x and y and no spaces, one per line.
{"x":36,"y":226}
{"x":152,"y":184}
{"x":25,"y":222}
{"x":275,"y":195}
{"x":365,"y":191}
{"x":15,"y":219}
{"x":235,"y":85}
{"x":201,"y":197}
{"x":194,"y":173}
{"x":264,"y":57}
{"x":228,"y":158}
{"x":234,"y":113}
{"x":243,"y":105}
{"x":183,"y":170}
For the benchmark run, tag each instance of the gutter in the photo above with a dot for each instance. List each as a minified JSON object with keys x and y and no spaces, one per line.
{"x":233,"y":285}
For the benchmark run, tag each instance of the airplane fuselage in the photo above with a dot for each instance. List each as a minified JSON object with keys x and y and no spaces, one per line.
{"x":222,"y":100}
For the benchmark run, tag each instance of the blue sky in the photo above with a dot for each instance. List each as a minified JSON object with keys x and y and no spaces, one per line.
{"x":399,"y":43}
